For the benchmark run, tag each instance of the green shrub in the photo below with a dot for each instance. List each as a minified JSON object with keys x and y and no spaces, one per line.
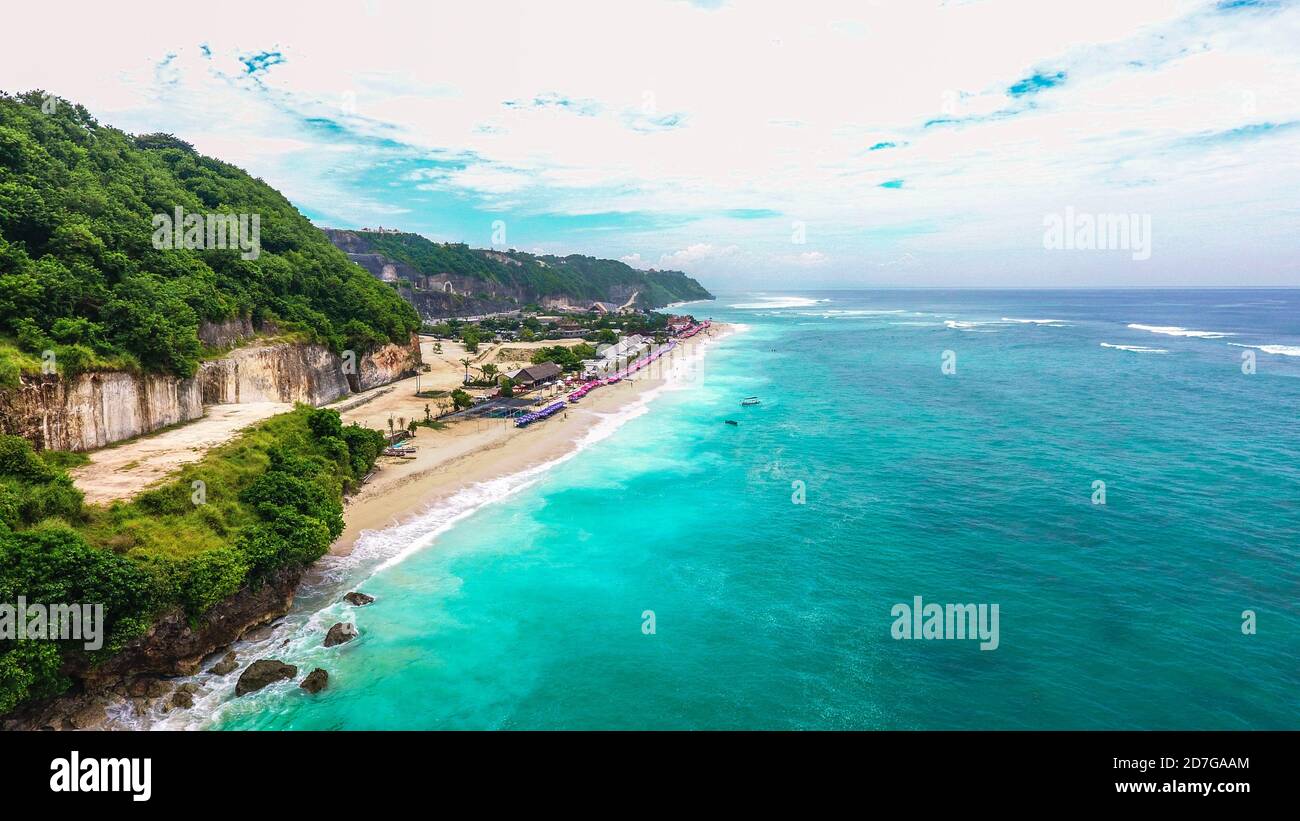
{"x":17,"y":459}
{"x":324,"y":422}
{"x":211,"y":577}
{"x":29,"y":670}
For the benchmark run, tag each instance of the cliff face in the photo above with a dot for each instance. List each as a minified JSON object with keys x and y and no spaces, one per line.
{"x":388,"y":364}
{"x":274,"y":373}
{"x":98,"y":409}
{"x":312,"y":374}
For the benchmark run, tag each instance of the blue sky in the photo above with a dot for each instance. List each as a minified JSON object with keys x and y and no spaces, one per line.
{"x":750,"y":144}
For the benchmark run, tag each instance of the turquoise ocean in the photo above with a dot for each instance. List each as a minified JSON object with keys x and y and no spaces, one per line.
{"x":526,"y":603}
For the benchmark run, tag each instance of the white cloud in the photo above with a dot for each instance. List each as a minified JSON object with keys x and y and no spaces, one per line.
{"x":651,"y":127}
{"x":694,"y":254}
{"x":810,"y":258}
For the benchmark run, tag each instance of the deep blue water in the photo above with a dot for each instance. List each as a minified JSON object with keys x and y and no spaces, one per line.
{"x":975,"y":486}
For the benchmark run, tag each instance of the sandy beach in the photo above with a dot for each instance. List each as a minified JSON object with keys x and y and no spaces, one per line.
{"x":468,"y":452}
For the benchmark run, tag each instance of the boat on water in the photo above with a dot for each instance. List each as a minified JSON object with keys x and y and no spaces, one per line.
{"x":750,"y":400}
{"x":732,"y":422}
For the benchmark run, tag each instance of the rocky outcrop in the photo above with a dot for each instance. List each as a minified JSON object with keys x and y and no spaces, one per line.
{"x":171,"y":647}
{"x":263,"y":673}
{"x":226,"y":666}
{"x":315,"y":681}
{"x":388,"y":364}
{"x":340,"y":633}
{"x":358,"y":599}
{"x":96,"y":409}
{"x":183,"y":698}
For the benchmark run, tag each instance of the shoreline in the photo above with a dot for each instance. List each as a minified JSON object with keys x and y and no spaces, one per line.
{"x":487,"y":460}
{"x":472,"y":452}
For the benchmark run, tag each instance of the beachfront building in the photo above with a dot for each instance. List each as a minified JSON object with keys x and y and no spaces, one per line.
{"x":534,"y":375}
{"x":627,"y":346}
{"x":678,"y":324}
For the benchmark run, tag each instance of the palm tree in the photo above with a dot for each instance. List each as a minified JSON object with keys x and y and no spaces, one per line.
{"x":489,"y":372}
{"x":466,"y":363}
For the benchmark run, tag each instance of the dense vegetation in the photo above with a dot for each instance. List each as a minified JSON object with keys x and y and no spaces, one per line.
{"x":575,"y":276}
{"x":267,"y":500}
{"x":79,"y":274}
{"x":569,"y":358}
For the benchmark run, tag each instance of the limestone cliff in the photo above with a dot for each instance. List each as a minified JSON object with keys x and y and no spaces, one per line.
{"x":97,"y":409}
{"x":388,"y":364}
{"x":274,"y":373}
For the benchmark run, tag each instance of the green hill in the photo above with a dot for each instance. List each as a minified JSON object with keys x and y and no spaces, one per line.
{"x":79,"y":273}
{"x":513,"y":275}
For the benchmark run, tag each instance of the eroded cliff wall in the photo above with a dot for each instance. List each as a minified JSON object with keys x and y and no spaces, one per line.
{"x":274,"y":373}
{"x":97,"y":409}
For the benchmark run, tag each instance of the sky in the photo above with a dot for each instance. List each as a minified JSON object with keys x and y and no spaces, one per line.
{"x":754,"y":145}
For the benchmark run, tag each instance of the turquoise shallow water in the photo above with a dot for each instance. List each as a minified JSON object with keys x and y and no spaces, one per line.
{"x":970,"y":487}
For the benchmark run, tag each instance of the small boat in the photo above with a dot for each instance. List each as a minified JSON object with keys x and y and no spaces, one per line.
{"x":732,"y":422}
{"x":750,"y":400}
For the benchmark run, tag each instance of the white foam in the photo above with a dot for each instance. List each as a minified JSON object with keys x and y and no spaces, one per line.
{"x":969,"y":325}
{"x":769,"y":302}
{"x":1053,"y":322}
{"x":1174,"y":330}
{"x":1278,"y":350}
{"x":1134,"y":348}
{"x":861,"y":312}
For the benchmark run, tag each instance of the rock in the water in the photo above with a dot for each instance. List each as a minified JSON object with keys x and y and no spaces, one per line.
{"x":90,"y":717}
{"x":358,"y":599}
{"x":259,"y":633}
{"x":340,"y":633}
{"x":226,"y":666}
{"x":139,"y":687}
{"x":183,"y":698}
{"x":262,"y":673}
{"x":315,"y":681}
